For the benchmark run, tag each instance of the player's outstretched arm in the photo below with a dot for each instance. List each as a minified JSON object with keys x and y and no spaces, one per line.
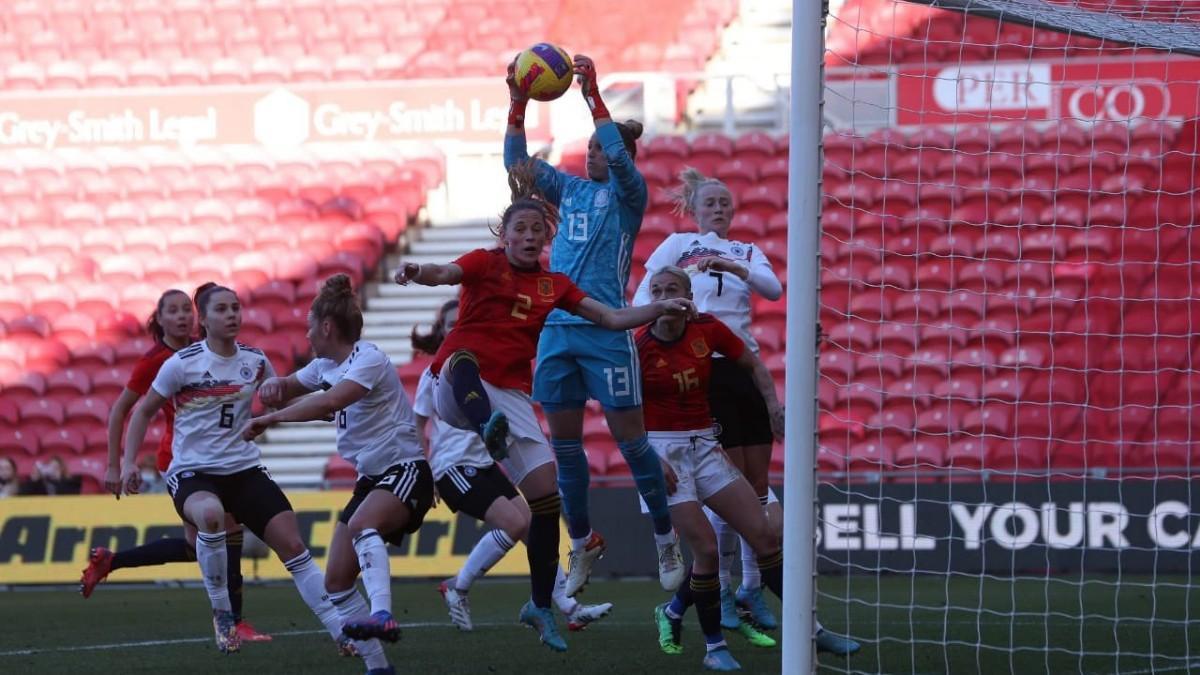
{"x":631,"y":317}
{"x":277,"y":392}
{"x":310,"y":408}
{"x":429,"y":274}
{"x":139,"y":421}
{"x":766,"y":386}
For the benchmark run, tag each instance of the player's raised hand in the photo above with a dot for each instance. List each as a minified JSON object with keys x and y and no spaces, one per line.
{"x":585,"y":72}
{"x":255,"y":427}
{"x":514,"y":90}
{"x":406,"y":273}
{"x":112,"y":481}
{"x":271,"y":392}
{"x":718,"y":264}
{"x":131,"y":480}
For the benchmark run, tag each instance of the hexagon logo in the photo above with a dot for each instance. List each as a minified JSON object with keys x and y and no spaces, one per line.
{"x":282,"y":118}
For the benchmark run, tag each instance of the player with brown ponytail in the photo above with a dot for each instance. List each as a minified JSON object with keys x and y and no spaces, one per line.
{"x":357,"y":385}
{"x":482,"y":376}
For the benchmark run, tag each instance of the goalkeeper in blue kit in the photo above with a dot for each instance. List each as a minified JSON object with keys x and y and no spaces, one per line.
{"x":577,"y":360}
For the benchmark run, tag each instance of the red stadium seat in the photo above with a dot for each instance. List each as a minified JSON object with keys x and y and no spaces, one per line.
{"x":41,"y":416}
{"x":66,"y":441}
{"x":16,"y":441}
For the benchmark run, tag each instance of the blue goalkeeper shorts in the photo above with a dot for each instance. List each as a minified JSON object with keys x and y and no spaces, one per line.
{"x":575,"y":363}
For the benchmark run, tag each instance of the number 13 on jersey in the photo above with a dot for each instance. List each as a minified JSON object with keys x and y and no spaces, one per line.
{"x":577,"y":226}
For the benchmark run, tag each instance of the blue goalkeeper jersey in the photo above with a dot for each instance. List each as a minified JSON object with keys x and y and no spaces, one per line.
{"x":600,"y":221}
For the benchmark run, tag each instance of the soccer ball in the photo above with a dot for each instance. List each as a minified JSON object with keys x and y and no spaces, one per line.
{"x":543,"y":72}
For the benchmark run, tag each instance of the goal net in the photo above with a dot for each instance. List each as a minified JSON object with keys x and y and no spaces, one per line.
{"x":1009,"y":405}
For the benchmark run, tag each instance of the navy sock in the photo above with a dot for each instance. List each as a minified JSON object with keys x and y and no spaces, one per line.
{"x":233,"y":549}
{"x":706,"y":589}
{"x":157,"y":552}
{"x":468,"y":389}
{"x":542,"y":548}
{"x":648,"y":476}
{"x":573,"y":481}
{"x":771,"y":569}
{"x":683,"y":598}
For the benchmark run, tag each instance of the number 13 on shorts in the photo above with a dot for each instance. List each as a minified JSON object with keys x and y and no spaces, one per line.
{"x":618,"y":381}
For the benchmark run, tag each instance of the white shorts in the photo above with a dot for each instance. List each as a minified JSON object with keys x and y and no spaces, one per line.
{"x":528,"y":448}
{"x":700,"y":465}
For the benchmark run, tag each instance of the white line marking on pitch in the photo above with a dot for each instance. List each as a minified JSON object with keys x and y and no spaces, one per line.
{"x":182,"y":641}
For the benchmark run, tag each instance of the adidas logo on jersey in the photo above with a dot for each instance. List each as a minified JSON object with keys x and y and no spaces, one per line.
{"x":662,"y":363}
{"x":208,"y":376}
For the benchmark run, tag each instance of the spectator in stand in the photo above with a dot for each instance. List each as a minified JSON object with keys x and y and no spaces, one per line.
{"x":9,"y":480}
{"x":51,"y":478}
{"x":152,"y":480}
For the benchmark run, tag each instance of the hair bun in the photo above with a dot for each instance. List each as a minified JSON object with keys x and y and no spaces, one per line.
{"x":635,"y":128}
{"x":338,"y":285}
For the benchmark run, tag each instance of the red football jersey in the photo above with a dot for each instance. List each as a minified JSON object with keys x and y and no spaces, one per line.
{"x":675,"y":374}
{"x":144,"y":372}
{"x":502,"y":311}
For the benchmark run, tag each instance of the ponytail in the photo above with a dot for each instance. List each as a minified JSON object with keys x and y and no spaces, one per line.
{"x":430,"y":342}
{"x":690,"y":182}
{"x":337,"y":302}
{"x":526,"y":195}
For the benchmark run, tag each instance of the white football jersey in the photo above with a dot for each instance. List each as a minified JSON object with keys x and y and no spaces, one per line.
{"x":212,"y":396}
{"x":721,"y":294}
{"x":377,"y":431}
{"x":448,"y":446}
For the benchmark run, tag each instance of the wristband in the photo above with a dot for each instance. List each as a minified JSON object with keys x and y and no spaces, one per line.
{"x":516,"y":113}
{"x":596,"y":104}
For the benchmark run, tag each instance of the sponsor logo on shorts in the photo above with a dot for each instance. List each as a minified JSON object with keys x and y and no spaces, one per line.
{"x":470,"y":471}
{"x":187,"y":474}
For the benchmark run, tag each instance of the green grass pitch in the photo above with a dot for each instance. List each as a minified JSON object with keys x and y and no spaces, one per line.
{"x":1026,"y":626}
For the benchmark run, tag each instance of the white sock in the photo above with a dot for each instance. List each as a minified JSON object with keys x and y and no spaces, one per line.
{"x":350,"y":605}
{"x":727,"y":546}
{"x":565,"y":604}
{"x":578,"y":543}
{"x":311,"y":584}
{"x":665,"y":539}
{"x":750,"y":575}
{"x":214,"y":562}
{"x":488,"y":551}
{"x":376,"y":575}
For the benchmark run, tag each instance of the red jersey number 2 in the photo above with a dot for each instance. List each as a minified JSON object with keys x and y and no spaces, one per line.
{"x":521,"y":307}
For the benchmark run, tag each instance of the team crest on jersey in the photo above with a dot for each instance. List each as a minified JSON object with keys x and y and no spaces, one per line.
{"x":546,"y":286}
{"x":737,"y":250}
{"x":699,"y":348}
{"x":601,"y":199}
{"x":246,"y":373}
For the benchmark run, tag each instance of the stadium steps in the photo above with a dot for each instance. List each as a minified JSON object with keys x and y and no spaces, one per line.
{"x":758,"y":41}
{"x":297,"y":454}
